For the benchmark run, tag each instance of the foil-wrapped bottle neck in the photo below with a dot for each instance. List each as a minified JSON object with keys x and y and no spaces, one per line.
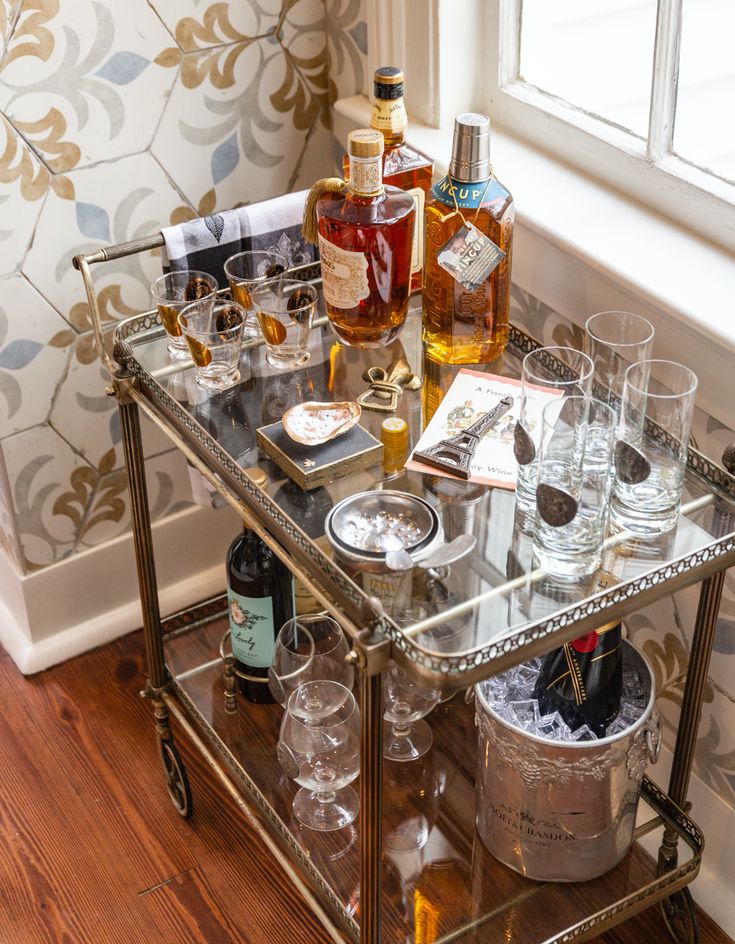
{"x":471,"y":148}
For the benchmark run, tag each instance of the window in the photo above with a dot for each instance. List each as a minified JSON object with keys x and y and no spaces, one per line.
{"x":638,"y":92}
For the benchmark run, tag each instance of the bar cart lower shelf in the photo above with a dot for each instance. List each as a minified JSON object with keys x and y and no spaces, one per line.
{"x":439,"y":882}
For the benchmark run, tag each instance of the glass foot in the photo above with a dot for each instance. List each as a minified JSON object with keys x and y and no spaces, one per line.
{"x":405,"y":743}
{"x":325,"y":812}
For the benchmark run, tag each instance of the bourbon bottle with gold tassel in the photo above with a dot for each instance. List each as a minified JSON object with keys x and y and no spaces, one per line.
{"x":364,"y":231}
{"x":469,"y":219}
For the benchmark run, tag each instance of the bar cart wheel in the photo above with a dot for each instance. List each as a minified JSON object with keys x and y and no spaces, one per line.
{"x":681,"y":917}
{"x":177,"y":781}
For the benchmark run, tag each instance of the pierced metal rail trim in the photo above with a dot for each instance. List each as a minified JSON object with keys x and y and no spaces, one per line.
{"x":272,"y":822}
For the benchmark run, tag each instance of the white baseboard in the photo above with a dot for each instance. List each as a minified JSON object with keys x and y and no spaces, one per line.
{"x":92,"y":597}
{"x":712,"y":888}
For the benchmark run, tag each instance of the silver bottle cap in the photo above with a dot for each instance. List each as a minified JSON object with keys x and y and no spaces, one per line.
{"x":471,"y":148}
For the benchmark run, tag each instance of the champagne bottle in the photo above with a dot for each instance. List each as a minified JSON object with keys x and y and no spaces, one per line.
{"x":583,"y":680}
{"x":260,"y":600}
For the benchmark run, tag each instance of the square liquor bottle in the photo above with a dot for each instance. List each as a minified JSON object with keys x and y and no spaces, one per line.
{"x":403,"y":167}
{"x":466,"y":313}
{"x":365,"y":237}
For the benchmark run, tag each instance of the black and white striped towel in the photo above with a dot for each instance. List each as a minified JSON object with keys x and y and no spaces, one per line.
{"x":207,"y":242}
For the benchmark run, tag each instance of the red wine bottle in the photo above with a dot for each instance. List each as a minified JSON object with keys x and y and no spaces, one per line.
{"x":583,"y":680}
{"x":260,"y":601}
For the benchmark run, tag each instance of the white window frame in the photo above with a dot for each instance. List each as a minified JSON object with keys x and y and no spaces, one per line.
{"x":468,"y":51}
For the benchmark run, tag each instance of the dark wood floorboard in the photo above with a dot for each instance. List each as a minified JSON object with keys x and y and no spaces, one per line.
{"x":91,"y":850}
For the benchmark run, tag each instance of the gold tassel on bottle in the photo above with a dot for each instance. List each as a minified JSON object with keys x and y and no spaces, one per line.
{"x":325,"y":185}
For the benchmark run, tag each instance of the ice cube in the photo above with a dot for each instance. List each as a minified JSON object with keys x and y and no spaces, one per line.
{"x":632,"y":687}
{"x":583,"y":733}
{"x":526,"y":712}
{"x":616,"y":726}
{"x":549,"y":726}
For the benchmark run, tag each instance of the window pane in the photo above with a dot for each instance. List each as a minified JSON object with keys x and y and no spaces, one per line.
{"x":595,"y":55}
{"x":704,"y":130}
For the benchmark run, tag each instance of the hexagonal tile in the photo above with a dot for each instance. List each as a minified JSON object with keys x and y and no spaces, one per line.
{"x":87,"y":82}
{"x":50,"y":487}
{"x":89,"y":420}
{"x":110,"y":203}
{"x":34,"y":350}
{"x":238,"y":125}
{"x":169,"y":490}
{"x":25,"y":182}
{"x":217,"y":23}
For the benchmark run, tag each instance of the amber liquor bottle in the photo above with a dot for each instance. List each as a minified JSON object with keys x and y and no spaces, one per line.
{"x":260,"y":600}
{"x":365,"y":237}
{"x":583,"y":680}
{"x":403,"y":166}
{"x":464,"y":322}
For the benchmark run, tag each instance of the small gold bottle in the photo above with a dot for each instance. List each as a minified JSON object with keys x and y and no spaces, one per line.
{"x":466,"y":322}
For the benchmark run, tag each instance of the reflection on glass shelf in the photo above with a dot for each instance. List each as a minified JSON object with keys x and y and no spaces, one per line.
{"x":492,"y":592}
{"x":438,"y":878}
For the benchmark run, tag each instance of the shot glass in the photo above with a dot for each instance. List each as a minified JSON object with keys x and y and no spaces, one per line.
{"x":651,"y":447}
{"x":285,"y":309}
{"x":560,"y":371}
{"x":213,"y":334}
{"x":246,"y":270}
{"x":573,"y":486}
{"x":614,"y":340}
{"x":171,"y":293}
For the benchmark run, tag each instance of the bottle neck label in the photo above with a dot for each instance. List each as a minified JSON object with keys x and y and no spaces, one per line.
{"x":468,"y":196}
{"x":251,"y":628}
{"x":366,"y":176}
{"x":344,"y":275}
{"x":389,"y":116}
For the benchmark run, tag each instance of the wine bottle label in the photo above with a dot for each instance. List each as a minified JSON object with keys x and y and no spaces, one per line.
{"x":252,"y":629}
{"x":389,"y":116}
{"x":344,"y":275}
{"x":466,"y":196}
{"x":469,"y":256}
{"x":417,"y":254}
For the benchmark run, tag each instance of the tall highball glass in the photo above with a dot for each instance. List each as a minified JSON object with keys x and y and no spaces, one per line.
{"x":563,"y":371}
{"x":615,"y":340}
{"x":651,"y":447}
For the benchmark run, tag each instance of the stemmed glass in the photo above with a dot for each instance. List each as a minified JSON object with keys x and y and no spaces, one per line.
{"x":406,"y":702}
{"x":322,"y":753}
{"x":308,"y":648}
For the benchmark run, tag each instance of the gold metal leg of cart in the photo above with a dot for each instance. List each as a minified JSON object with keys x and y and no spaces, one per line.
{"x":177,"y":782}
{"x":371,"y":789}
{"x":678,"y":911}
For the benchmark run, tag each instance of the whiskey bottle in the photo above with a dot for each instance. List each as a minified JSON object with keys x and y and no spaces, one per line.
{"x":365,"y":235}
{"x":403,"y":166}
{"x":583,"y":680}
{"x":469,"y":235}
{"x":260,"y":600}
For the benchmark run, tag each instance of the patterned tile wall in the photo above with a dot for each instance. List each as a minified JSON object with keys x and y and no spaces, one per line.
{"x":116,"y":119}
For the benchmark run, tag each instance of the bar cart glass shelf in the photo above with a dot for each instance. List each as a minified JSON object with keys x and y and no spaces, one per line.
{"x":413,"y":869}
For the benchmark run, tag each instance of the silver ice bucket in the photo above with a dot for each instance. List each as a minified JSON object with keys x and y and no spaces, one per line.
{"x":556,"y":810}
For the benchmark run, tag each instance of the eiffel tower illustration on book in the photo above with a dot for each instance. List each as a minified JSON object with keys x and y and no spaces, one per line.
{"x":455,"y":453}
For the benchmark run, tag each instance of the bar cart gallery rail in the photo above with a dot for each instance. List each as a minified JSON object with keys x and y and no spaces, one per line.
{"x":430,"y":880}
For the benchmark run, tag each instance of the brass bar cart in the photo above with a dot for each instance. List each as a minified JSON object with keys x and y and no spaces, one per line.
{"x":440,"y":885}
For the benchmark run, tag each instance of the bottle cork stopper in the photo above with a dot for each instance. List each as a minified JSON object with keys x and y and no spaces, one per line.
{"x":394,"y":436}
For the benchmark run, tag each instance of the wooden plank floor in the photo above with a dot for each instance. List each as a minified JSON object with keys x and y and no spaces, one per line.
{"x":91,"y":850}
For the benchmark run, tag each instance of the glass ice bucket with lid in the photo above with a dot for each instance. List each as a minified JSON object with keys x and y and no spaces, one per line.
{"x":562,"y":811}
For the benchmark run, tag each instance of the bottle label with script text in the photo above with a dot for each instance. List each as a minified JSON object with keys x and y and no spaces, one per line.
{"x":251,"y":628}
{"x":467,"y":196}
{"x":344,"y":275}
{"x":389,"y":116}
